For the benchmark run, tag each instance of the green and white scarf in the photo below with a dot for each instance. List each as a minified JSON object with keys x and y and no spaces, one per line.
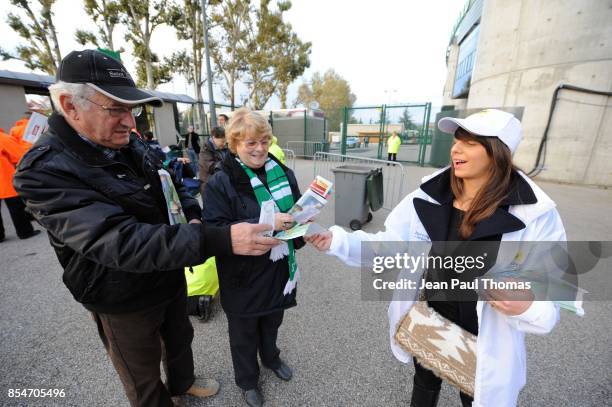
{"x":278,"y":191}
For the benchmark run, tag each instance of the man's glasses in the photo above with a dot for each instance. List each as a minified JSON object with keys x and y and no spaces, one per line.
{"x":120,"y":111}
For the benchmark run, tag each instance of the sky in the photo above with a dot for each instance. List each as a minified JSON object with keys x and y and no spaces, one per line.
{"x":389,"y":51}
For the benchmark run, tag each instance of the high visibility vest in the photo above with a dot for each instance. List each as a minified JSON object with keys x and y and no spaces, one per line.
{"x":393,"y":144}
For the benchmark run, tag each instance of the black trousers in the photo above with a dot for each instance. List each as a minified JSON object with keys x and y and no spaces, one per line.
{"x":392,"y":156}
{"x":138,"y":341}
{"x":427,"y":380}
{"x":20,"y":218}
{"x":247,"y":336}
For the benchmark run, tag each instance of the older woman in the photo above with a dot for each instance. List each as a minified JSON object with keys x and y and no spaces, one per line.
{"x":255,"y":291}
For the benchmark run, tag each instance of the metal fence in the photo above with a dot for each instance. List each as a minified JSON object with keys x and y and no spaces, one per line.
{"x":366,"y":130}
{"x":307,"y":149}
{"x":394,"y":173}
{"x":289,"y":158}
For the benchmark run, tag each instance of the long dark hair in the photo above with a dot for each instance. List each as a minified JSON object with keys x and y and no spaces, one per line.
{"x":488,"y":198}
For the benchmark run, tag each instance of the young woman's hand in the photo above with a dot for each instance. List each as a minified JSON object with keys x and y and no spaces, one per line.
{"x":282,"y":221}
{"x":510,"y":302}
{"x":322,"y":241}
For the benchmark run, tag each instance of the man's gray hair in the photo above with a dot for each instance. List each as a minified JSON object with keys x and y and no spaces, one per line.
{"x":79,"y":93}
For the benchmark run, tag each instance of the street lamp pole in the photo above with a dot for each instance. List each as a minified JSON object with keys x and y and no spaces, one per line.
{"x":211,"y":100}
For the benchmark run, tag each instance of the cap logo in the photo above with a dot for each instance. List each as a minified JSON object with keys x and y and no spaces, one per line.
{"x":484,"y":112}
{"x":117,"y":73}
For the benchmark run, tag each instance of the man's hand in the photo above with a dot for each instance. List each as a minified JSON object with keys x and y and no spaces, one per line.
{"x":195,"y":221}
{"x":322,"y":241}
{"x":247,"y":241}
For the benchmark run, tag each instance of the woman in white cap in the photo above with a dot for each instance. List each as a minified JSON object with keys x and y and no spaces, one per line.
{"x":481,"y":196}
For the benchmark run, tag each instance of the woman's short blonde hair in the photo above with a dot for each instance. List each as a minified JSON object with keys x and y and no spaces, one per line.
{"x":246,"y":124}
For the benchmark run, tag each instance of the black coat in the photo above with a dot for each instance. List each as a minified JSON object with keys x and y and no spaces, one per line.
{"x":193,"y":139}
{"x":210,"y":158}
{"x":108,"y":223}
{"x":250,"y":286}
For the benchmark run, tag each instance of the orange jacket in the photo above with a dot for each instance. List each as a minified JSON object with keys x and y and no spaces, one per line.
{"x":17,"y":132}
{"x":10,"y":154}
{"x":19,"y":128}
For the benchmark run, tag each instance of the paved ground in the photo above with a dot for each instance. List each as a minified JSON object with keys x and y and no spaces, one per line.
{"x":336,"y":343}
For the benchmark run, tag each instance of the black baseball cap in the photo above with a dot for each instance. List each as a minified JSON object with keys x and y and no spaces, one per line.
{"x":106,"y":75}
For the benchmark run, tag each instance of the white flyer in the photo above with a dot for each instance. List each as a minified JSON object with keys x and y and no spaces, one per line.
{"x":37,"y":124}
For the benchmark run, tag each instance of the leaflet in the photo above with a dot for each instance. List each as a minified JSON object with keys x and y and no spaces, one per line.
{"x":37,"y":124}
{"x":307,"y":207}
{"x":300,"y":230}
{"x":312,"y":201}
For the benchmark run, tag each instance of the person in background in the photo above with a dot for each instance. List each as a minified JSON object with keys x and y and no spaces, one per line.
{"x":154,"y":146}
{"x":393,"y":145}
{"x":254,"y":291}
{"x":211,"y":155}
{"x":191,"y":142}
{"x":276,"y":151}
{"x":17,"y":132}
{"x":135,"y":132}
{"x":10,"y":153}
{"x":19,"y":127}
{"x":223,"y":120}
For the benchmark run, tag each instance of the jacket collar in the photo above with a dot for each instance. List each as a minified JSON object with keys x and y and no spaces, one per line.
{"x":82,"y":149}
{"x":435,"y":213}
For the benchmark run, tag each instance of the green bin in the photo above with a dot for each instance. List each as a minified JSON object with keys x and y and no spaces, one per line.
{"x":374,"y":188}
{"x":358,"y":189}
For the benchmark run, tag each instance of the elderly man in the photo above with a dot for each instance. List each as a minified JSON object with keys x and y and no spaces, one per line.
{"x":98,"y":193}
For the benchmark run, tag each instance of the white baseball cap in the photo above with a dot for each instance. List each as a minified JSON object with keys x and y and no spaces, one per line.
{"x":488,"y":123}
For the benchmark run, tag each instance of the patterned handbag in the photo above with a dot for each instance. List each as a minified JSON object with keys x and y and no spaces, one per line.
{"x":440,"y":345}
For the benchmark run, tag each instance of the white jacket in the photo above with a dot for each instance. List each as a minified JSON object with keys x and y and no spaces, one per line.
{"x":501,"y":359}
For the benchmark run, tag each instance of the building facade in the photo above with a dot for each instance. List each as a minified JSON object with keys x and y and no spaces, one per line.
{"x":553,"y":61}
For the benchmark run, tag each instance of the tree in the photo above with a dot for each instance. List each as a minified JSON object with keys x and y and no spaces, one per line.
{"x":406,"y":120}
{"x":290,"y":62}
{"x":187,"y":21}
{"x":142,"y":18}
{"x":105,"y":14}
{"x":332,"y":92}
{"x":42,"y":51}
{"x":256,"y":46}
{"x":276,"y":55}
{"x":227,"y":42}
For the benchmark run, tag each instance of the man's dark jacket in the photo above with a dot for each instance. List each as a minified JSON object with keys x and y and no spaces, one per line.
{"x":210,"y":158}
{"x":193,"y":139}
{"x":108,"y":223}
{"x":250,"y":285}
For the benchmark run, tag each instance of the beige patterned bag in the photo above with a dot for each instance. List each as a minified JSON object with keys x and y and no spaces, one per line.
{"x":439,"y":345}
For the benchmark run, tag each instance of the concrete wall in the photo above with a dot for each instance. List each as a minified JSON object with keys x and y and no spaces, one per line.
{"x":526,"y":49}
{"x":292,"y":129}
{"x":165,"y":130}
{"x":12,"y":105}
